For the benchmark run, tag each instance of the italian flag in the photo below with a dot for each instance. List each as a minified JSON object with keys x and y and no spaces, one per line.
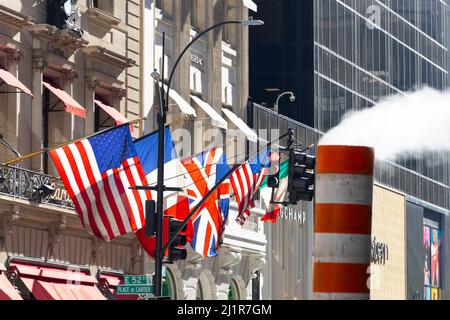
{"x":272,"y":210}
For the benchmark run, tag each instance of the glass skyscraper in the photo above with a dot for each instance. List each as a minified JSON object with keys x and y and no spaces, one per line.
{"x":342,"y":55}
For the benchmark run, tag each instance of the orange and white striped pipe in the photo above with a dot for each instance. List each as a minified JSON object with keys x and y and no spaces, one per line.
{"x":342,"y":222}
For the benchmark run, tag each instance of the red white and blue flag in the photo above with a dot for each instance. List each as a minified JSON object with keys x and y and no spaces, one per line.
{"x":245,"y":181}
{"x":97,"y":173}
{"x":175,"y":203}
{"x":147,"y":150}
{"x":202,"y":173}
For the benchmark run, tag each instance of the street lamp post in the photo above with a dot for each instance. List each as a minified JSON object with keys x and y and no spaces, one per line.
{"x":291,"y":98}
{"x":162,"y":116}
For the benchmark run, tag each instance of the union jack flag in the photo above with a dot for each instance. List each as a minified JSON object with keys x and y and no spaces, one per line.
{"x":97,"y":173}
{"x":202,"y":172}
{"x":246,"y":181}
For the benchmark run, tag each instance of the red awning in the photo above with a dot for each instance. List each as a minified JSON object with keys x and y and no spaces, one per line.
{"x":11,"y":80}
{"x":52,"y":273}
{"x":7,"y":291}
{"x":70,"y":105}
{"x":46,"y":283}
{"x":44,"y":290}
{"x":113,"y":113}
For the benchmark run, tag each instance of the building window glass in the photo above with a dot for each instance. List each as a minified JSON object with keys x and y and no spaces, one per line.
{"x":104,"y":5}
{"x":102,"y":119}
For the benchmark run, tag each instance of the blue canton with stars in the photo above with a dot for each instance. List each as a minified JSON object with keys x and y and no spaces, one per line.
{"x":113,"y":147}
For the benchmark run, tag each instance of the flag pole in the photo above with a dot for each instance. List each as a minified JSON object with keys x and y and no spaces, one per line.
{"x":44,"y":150}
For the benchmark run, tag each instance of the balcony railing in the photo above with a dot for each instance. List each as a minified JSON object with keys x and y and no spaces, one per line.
{"x":29,"y":185}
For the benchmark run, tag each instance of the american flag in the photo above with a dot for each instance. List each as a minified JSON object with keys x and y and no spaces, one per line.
{"x":97,"y":173}
{"x":201,"y":174}
{"x":245,"y":182}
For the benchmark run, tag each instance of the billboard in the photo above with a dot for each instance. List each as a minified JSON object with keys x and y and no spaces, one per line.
{"x":426,"y":253}
{"x":431,"y":270}
{"x":435,"y":250}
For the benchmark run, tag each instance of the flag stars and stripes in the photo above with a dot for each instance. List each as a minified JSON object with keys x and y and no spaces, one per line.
{"x":97,"y":172}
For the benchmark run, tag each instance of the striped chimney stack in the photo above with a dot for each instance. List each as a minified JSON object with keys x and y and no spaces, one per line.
{"x":342,"y":224}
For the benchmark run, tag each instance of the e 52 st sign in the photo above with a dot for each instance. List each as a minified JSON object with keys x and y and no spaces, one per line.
{"x":137,"y":280}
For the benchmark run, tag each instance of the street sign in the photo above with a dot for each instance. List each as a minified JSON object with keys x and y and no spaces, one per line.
{"x":137,"y":280}
{"x":135,"y":289}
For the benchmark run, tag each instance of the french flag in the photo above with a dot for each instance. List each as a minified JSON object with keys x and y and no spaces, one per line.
{"x":176,"y":204}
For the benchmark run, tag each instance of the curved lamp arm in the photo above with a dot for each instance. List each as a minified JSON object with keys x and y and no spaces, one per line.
{"x":242,"y":22}
{"x":284,"y":94}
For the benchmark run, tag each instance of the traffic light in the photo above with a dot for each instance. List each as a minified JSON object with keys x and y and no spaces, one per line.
{"x":150,"y":218}
{"x":301,"y":176}
{"x":176,"y":252}
{"x":273,"y":177}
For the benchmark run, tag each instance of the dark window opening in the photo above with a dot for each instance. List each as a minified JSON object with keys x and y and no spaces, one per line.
{"x":102,"y":119}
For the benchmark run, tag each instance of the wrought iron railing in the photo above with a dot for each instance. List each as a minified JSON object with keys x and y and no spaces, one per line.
{"x":25,"y":184}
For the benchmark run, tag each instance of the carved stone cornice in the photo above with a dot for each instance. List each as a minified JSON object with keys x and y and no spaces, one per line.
{"x":16,"y":19}
{"x":60,"y":38}
{"x":11,"y":48}
{"x":108,"y":56}
{"x":43,"y":59}
{"x":95,"y":79}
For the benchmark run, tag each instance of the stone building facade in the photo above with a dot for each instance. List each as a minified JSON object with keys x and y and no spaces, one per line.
{"x":214,"y":71}
{"x":101,"y":62}
{"x":75,"y":77}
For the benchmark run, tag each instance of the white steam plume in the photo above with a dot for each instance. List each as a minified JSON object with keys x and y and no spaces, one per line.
{"x":418,"y":121}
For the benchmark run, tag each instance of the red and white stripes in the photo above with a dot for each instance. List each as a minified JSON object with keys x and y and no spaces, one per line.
{"x":245,"y":183}
{"x":342,"y":227}
{"x":104,"y":202}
